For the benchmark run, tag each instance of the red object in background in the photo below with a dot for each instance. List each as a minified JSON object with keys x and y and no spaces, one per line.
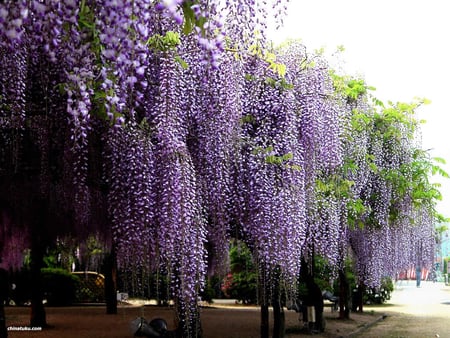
{"x":411,"y":274}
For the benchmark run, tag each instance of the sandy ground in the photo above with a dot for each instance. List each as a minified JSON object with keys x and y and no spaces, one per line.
{"x":218,"y":322}
{"x":412,"y":312}
{"x":415,"y":312}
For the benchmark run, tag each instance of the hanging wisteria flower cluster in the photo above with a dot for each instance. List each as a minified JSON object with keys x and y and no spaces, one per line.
{"x":391,"y":217}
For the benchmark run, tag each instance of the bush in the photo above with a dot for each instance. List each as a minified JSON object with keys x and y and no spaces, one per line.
{"x":241,"y":282}
{"x":243,"y":287}
{"x":212,"y":289}
{"x":381,"y":294}
{"x":59,"y":286}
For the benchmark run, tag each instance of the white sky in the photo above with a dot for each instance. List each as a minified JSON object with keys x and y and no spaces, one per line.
{"x":401,"y":47}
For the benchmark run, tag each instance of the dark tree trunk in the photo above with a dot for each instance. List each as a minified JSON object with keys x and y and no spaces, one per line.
{"x":111,"y":282}
{"x":3,"y":330}
{"x":278,"y":312}
{"x":344,"y":299}
{"x":38,"y":244}
{"x":264,"y":320}
{"x":38,"y":316}
{"x":313,"y":300}
{"x":4,"y":288}
{"x":278,"y":320}
{"x":361,"y":290}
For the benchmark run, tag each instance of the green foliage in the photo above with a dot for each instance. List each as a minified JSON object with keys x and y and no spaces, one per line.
{"x":396,"y":120}
{"x":349,"y":275}
{"x":323,"y":273}
{"x":360,"y":121}
{"x":381,"y":294}
{"x":59,"y":286}
{"x":244,"y":274}
{"x":425,"y":193}
{"x":86,"y":24}
{"x":324,"y":276}
{"x":351,"y":88}
{"x":446,"y":261}
{"x":355,"y":88}
{"x":243,"y":287}
{"x":268,"y":152}
{"x":280,"y":83}
{"x":169,"y":41}
{"x":334,"y":185}
{"x":211,"y":290}
{"x":190,"y":20}
{"x":274,"y":159}
{"x":249,"y":118}
{"x":356,"y":209}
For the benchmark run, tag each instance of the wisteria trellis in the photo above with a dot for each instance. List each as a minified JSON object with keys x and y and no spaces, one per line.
{"x":203,"y":135}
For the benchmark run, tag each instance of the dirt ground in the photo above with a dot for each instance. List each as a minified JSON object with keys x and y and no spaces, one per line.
{"x":217,"y":322}
{"x":400,"y":325}
{"x":411,"y":313}
{"x":414,"y":312}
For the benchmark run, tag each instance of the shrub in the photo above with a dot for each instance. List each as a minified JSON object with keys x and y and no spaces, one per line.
{"x":241,"y":282}
{"x":381,"y":294}
{"x":59,"y":286}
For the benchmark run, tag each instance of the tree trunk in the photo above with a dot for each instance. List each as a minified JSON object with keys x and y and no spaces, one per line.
{"x":278,"y":312}
{"x":264,"y":320}
{"x":278,"y":320}
{"x":38,"y":243}
{"x":344,"y":306}
{"x":3,"y":330}
{"x":111,"y":282}
{"x":38,"y":316}
{"x":4,"y":288}
{"x":361,"y":290}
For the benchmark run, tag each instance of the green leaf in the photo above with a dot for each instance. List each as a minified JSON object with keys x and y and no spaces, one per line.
{"x":182,"y":63}
{"x":439,"y":160}
{"x":287,"y":157}
{"x":189,"y":17}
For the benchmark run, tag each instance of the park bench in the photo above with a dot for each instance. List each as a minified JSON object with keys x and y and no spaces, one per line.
{"x":330,"y":300}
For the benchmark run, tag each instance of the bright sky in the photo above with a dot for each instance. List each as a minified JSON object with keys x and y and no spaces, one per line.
{"x":401,"y":47}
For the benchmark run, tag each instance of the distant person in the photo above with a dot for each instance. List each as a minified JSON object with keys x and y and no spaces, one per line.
{"x":418,"y":276}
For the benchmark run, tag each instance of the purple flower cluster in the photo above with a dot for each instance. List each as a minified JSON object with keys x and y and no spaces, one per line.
{"x":14,"y":241}
{"x":398,"y":233}
{"x":13,"y":16}
{"x":131,"y":201}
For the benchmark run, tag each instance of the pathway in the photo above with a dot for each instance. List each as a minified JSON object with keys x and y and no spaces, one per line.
{"x":414,"y":312}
